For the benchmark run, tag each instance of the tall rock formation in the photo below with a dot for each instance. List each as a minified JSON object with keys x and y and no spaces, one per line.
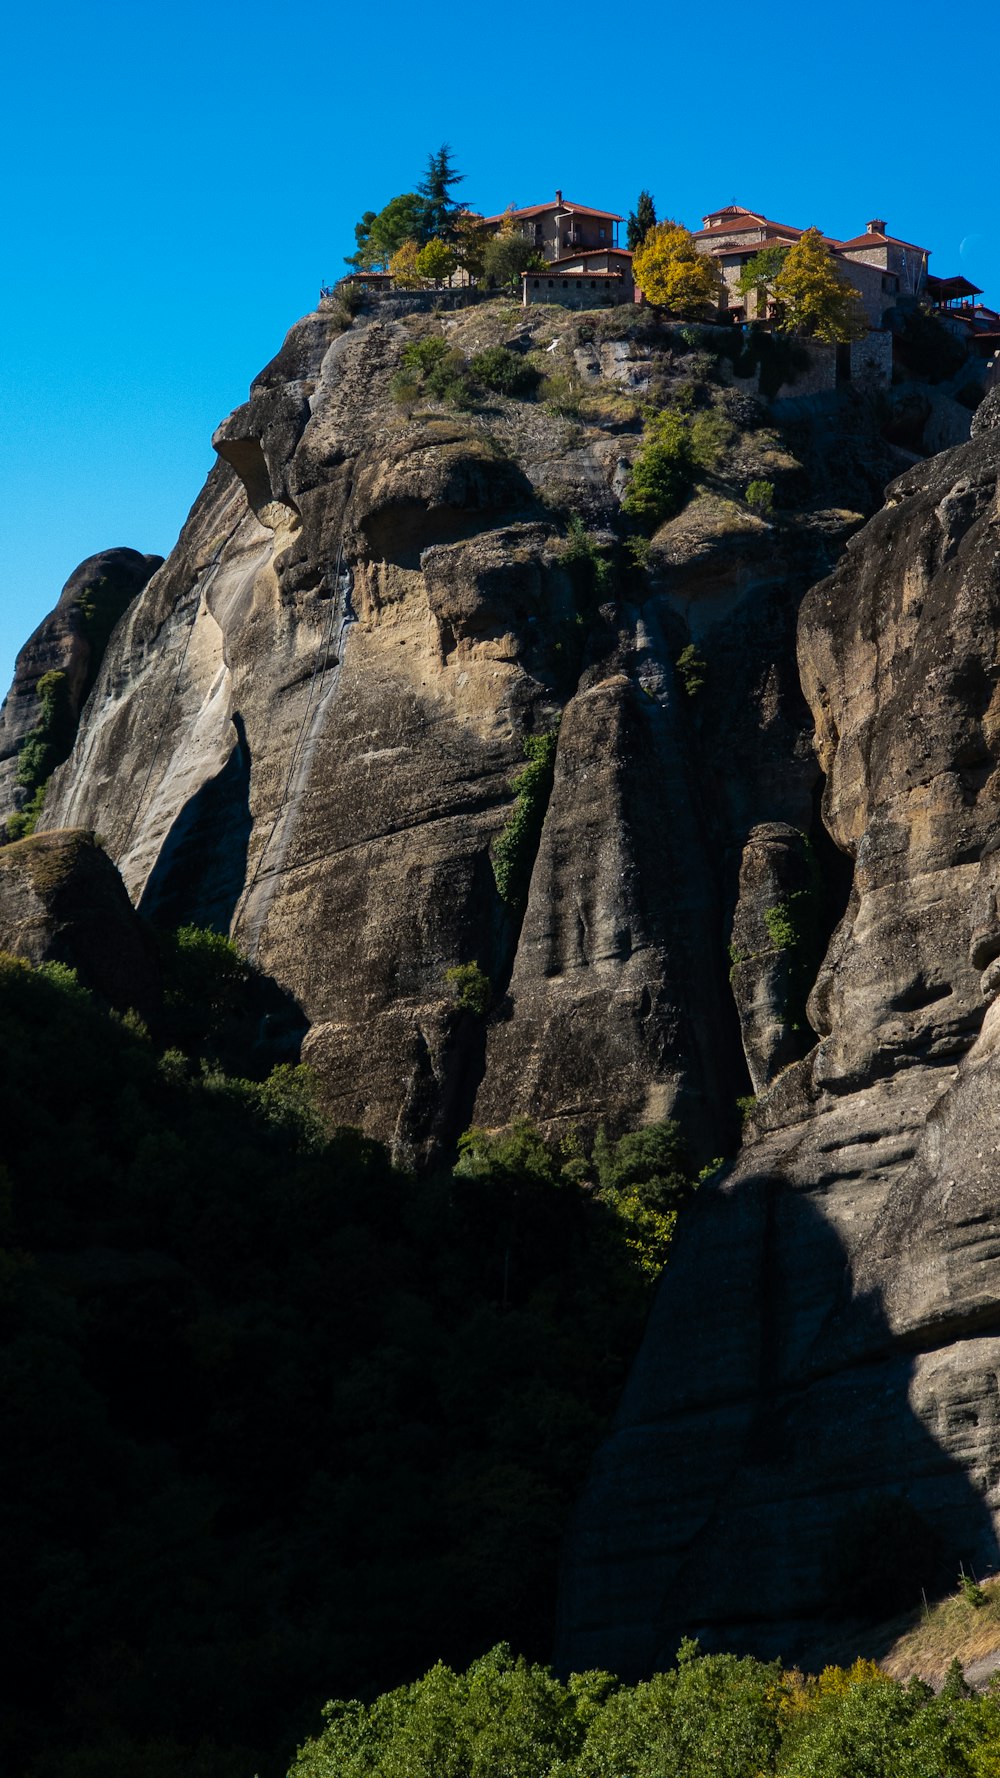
{"x":308,"y":726}
{"x":823,"y":1355}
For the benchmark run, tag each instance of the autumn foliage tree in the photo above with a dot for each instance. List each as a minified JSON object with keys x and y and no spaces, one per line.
{"x":436,"y":261}
{"x":672,"y":274}
{"x":403,"y":266}
{"x":814,"y":298}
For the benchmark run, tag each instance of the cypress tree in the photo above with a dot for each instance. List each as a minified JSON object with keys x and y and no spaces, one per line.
{"x":641,"y":220}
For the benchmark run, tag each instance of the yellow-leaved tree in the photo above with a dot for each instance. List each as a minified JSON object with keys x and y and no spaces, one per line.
{"x":403,"y":266}
{"x":671,"y":272}
{"x":814,"y":298}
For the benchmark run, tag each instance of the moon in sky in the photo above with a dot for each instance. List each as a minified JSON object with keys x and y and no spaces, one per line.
{"x":971,"y":247}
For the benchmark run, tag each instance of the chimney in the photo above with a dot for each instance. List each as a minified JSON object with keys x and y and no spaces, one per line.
{"x":876,"y":227}
{"x":559,"y":199}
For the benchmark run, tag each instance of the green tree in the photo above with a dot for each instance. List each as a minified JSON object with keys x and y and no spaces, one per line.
{"x":508,"y":254}
{"x":661,"y":475}
{"x":640,"y":221}
{"x":402,"y":219}
{"x":440,"y":208}
{"x":672,"y":274}
{"x":816,"y":300}
{"x":436,"y":261}
{"x":361,"y":259}
{"x":758,"y":274}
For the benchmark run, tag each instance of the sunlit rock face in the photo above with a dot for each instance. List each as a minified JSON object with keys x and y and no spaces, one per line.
{"x":307,"y":729}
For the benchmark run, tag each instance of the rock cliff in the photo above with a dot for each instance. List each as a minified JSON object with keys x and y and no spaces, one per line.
{"x":308,"y":726}
{"x":308,"y":729}
{"x":845,"y":1373}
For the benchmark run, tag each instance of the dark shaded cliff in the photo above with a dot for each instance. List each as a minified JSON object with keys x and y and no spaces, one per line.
{"x":845,"y":1378}
{"x":308,"y":730}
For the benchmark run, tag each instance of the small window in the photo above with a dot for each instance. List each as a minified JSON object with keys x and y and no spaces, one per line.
{"x":578,"y":282}
{"x":534,"y":283}
{"x":600,"y":234}
{"x":565,"y":283}
{"x":593,"y":283}
{"x":551,"y":283}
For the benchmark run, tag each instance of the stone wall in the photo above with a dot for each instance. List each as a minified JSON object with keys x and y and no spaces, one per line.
{"x":871,"y":361}
{"x":577,"y":291}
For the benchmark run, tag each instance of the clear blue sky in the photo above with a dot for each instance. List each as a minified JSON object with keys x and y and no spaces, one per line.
{"x":181,"y":178}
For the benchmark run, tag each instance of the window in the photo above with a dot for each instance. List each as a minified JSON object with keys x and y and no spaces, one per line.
{"x":565,"y":283}
{"x":551,"y":283}
{"x":593,"y":283}
{"x":600,"y":234}
{"x":534,"y":283}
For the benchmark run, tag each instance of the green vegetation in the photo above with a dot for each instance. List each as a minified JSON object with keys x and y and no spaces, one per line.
{"x":796,"y":925}
{"x":471,"y":987}
{"x":712,"y":1716}
{"x":278,"y":1417}
{"x":507,"y":254}
{"x":812,"y":295}
{"x":692,"y":667}
{"x":760,"y":495}
{"x":640,"y":221}
{"x":47,"y":745}
{"x":758,"y":274}
{"x":503,"y":371}
{"x":428,"y":214}
{"x":514,"y":851}
{"x":675,"y":444}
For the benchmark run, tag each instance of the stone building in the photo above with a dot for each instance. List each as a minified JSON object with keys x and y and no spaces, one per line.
{"x":881,"y":267}
{"x":559,"y":227}
{"x":592,"y":279}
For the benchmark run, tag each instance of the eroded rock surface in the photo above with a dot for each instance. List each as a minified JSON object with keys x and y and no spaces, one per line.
{"x":828,"y":1330}
{"x":307,"y":729}
{"x":70,"y":641}
{"x":62,"y":901}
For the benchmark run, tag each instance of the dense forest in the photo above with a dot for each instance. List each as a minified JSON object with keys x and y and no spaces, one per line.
{"x":280,"y":1421}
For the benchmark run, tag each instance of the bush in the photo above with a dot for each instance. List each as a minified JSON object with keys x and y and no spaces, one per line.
{"x":471,"y":988}
{"x":514,"y":851}
{"x":661,"y":476}
{"x":760,"y":495}
{"x":504,"y":372}
{"x":692,"y":668}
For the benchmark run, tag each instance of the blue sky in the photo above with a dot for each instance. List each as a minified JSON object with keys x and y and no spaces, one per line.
{"x":180,"y":179}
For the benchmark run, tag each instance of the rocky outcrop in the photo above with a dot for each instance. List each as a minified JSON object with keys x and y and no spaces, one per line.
{"x":62,"y":901}
{"x":308,"y":727}
{"x":825,"y":1344}
{"x":70,"y":641}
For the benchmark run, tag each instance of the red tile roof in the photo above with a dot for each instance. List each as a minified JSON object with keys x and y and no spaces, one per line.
{"x":565,"y":276}
{"x":872,"y":240}
{"x":555,"y":204}
{"x":592,"y":253}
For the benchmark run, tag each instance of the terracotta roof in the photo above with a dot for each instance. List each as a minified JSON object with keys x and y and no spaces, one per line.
{"x":592,"y":253}
{"x":946,"y":288}
{"x":867,"y":240}
{"x":556,"y":204}
{"x":740,"y":227}
{"x":565,"y":275}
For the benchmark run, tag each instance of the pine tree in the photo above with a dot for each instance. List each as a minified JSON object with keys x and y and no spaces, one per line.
{"x":440,"y":208}
{"x":640,"y":221}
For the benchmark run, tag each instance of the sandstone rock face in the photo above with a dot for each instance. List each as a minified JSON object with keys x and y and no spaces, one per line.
{"x":828,"y":1330}
{"x":62,"y":901}
{"x":66,"y":642}
{"x":307,"y":728}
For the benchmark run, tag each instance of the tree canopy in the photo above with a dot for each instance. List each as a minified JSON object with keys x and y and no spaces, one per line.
{"x":758,"y":274}
{"x":640,"y":220}
{"x":815,"y":298}
{"x":508,"y":254}
{"x":671,"y":272}
{"x":440,"y":208}
{"x":423,"y":215}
